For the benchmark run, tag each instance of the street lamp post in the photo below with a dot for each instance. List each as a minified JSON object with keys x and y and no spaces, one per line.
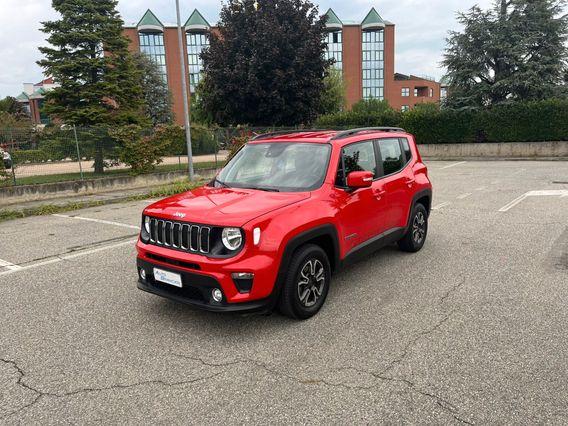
{"x":184,"y":90}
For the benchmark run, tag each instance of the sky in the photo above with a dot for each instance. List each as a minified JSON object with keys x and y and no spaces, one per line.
{"x":421,"y":29}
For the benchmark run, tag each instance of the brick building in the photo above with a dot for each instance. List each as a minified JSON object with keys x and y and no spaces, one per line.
{"x":364,"y":52}
{"x":32,"y":99}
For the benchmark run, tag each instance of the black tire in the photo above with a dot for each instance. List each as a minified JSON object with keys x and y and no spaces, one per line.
{"x":305,"y":264}
{"x":415,"y":236}
{"x":7,"y":164}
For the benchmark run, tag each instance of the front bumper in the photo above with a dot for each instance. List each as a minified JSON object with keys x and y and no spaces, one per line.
{"x":196,"y":291}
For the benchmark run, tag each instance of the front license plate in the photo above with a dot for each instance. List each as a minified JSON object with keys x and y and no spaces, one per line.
{"x":167,"y":277}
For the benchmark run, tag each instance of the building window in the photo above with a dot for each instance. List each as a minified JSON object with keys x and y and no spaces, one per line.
{"x":406,"y":91}
{"x":196,"y":43}
{"x":431,"y":93}
{"x":415,"y":93}
{"x":373,"y":64}
{"x":152,"y":44}
{"x":443,"y":93}
{"x":335,"y":48}
{"x":405,"y":108}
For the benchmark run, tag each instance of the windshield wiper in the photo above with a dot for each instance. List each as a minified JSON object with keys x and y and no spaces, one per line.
{"x":260,"y":188}
{"x":223,"y":184}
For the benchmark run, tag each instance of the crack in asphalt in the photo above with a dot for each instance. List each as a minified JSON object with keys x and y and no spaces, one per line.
{"x":39,"y":394}
{"x":444,"y":404}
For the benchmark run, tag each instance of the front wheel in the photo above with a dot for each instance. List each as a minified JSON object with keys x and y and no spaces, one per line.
{"x":306,"y":284}
{"x":417,"y":231}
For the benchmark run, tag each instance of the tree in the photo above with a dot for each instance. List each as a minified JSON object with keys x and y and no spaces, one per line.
{"x":89,"y":58}
{"x":513,"y":52}
{"x":157,"y":96}
{"x":11,"y":106}
{"x":371,"y":106}
{"x":266,"y":67}
{"x":333,"y":95}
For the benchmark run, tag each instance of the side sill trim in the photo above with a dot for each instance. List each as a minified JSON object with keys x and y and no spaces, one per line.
{"x":373,"y":244}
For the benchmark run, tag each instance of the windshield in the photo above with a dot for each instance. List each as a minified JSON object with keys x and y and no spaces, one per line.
{"x":290,"y":167}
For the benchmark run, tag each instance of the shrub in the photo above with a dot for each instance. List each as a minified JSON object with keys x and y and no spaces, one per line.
{"x":237,"y":142}
{"x":4,"y":176}
{"x":140,"y":150}
{"x":203,"y":140}
{"x":29,"y":156}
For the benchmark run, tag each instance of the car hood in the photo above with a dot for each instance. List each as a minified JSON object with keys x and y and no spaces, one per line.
{"x":222,"y":206}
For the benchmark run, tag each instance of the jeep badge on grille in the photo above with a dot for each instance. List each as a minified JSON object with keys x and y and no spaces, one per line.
{"x":180,"y":215}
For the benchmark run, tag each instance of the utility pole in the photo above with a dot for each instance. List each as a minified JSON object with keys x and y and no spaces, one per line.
{"x":185,"y":97}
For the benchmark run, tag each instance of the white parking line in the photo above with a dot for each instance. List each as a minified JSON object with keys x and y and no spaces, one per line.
{"x":453,"y":165}
{"x":545,"y":193}
{"x":513,"y":203}
{"x":464,"y":196}
{"x":9,"y":265}
{"x":66,"y":257}
{"x":439,"y":206}
{"x":104,"y":222}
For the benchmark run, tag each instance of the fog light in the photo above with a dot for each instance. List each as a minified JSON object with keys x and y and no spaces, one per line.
{"x":142,"y":273}
{"x":216,"y":295}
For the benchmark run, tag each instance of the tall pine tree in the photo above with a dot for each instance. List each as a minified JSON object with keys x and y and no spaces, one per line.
{"x":516,"y":51}
{"x":89,"y":58}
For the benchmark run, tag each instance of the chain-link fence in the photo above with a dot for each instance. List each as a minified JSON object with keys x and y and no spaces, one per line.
{"x":71,"y":153}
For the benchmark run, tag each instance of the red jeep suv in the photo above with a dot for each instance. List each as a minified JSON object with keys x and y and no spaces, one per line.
{"x":285,"y":213}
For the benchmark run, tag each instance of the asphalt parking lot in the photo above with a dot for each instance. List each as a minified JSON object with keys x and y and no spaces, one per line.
{"x":472,"y":329}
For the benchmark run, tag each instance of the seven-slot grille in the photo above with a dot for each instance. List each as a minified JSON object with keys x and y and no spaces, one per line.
{"x":181,"y":236}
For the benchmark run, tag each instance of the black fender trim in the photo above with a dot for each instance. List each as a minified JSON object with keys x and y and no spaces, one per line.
{"x":327,"y":230}
{"x":421,"y":194}
{"x":415,"y":198}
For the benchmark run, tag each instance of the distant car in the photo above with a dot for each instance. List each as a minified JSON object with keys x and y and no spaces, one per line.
{"x":7,"y":159}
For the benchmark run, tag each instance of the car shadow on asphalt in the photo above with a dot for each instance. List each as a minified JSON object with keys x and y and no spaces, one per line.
{"x":186,"y":316}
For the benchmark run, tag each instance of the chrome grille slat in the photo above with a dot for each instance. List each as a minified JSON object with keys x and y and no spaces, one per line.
{"x":153,"y":230}
{"x":204,"y":233}
{"x":180,"y":236}
{"x":185,"y":236}
{"x":194,"y":234}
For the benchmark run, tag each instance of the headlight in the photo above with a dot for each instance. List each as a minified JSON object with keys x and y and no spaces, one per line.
{"x":145,"y":231}
{"x":232,"y":238}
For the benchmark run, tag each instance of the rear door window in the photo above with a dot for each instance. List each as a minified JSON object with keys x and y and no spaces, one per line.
{"x":392,"y":157}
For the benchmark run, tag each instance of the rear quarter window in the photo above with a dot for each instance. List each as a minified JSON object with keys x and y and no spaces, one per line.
{"x":406,"y":149}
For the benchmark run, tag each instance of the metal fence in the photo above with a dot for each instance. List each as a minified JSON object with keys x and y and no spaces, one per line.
{"x":73,"y":153}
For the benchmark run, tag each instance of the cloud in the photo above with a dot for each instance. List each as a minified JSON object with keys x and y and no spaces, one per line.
{"x":421,"y":27}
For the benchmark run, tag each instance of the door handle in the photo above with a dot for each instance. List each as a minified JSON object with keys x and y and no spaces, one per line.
{"x":379,"y":193}
{"x":410,"y":181}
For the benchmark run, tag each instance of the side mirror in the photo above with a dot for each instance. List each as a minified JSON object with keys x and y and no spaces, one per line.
{"x":356,"y":180}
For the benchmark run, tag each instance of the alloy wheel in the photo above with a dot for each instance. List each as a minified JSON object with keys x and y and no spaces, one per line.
{"x":419,"y":228}
{"x":311,"y":283}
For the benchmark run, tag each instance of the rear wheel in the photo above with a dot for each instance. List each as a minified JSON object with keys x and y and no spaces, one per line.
{"x":306,"y":284}
{"x":415,"y":236}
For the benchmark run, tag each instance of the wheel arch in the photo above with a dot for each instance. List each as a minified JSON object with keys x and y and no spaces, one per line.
{"x":423,"y":197}
{"x":324,"y":236}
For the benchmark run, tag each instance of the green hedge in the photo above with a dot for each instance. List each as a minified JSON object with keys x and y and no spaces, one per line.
{"x":516,"y":122}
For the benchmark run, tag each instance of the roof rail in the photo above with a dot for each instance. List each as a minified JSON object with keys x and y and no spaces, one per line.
{"x":353,"y":132}
{"x":286,"y":132}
